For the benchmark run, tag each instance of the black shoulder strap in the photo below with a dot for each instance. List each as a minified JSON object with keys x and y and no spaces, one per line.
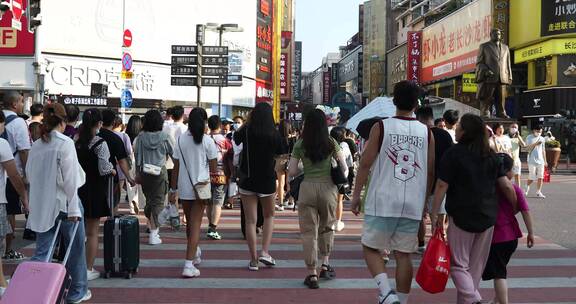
{"x":11,"y":118}
{"x":381,"y":138}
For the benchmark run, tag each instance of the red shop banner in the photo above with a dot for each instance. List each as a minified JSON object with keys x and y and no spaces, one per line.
{"x":12,"y":41}
{"x":450,"y":46}
{"x":264,"y":92}
{"x":414,"y":55}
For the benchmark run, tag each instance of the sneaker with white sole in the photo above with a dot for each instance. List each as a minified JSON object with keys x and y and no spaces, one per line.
{"x":279,"y":207}
{"x":214,"y":235}
{"x":540,"y":195}
{"x":390,"y":298}
{"x":85,"y":298}
{"x":340,"y":226}
{"x":267,"y":260}
{"x":198,"y":257}
{"x":92,"y":274}
{"x":154,"y":239}
{"x":253,"y":266}
{"x":190,"y":272}
{"x":527,"y":191}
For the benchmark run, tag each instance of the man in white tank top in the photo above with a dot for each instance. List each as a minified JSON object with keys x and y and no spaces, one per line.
{"x":399,"y":158}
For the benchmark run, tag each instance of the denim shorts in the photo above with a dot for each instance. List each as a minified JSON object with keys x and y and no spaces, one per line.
{"x":390,"y":233}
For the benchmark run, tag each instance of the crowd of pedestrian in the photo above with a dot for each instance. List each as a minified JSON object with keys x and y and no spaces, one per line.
{"x":411,"y":168}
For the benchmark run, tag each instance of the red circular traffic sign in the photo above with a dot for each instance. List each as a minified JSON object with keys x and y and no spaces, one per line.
{"x":127,"y":38}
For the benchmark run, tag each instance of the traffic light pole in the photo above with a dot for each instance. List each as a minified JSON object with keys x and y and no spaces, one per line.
{"x":199,"y":78}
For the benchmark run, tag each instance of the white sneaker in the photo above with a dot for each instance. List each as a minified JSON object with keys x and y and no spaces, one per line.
{"x":527,"y":190}
{"x":2,"y":291}
{"x":198,"y":257}
{"x":92,"y":274}
{"x":85,"y":298}
{"x":390,"y":298}
{"x":289,"y":205}
{"x":540,"y":195}
{"x":190,"y":272}
{"x":154,"y":238}
{"x":340,"y":226}
{"x":279,"y":208}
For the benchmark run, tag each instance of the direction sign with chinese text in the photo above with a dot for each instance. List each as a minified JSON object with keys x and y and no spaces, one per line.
{"x":184,"y":81}
{"x":184,"y":60}
{"x":219,"y":61}
{"x":214,"y":82}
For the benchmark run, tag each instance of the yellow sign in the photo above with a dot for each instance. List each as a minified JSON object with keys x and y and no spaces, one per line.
{"x":546,"y":48}
{"x":127,"y":75}
{"x":469,"y":83}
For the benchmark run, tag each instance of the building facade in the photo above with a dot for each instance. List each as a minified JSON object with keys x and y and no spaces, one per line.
{"x":89,"y":50}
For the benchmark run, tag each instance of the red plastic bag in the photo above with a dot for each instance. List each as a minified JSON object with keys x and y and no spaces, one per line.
{"x":546,"y":175}
{"x":434,"y":269}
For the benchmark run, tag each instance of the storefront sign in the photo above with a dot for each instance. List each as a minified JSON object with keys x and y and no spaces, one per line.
{"x":284,"y":75}
{"x":558,"y":17}
{"x":501,"y":17}
{"x":396,"y":66}
{"x":264,"y":35}
{"x":469,"y":83}
{"x":546,"y":48}
{"x":450,"y":46}
{"x":264,"y":93}
{"x":14,"y":42}
{"x":414,"y":56}
{"x":326,"y":81}
{"x":547,"y":102}
{"x":85,"y":101}
{"x":297,"y":80}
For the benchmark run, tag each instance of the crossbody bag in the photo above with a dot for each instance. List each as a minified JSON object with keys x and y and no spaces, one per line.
{"x":203,"y":190}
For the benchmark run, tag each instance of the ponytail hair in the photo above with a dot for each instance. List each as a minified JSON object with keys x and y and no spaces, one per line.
{"x":54,"y":115}
{"x":197,"y":124}
{"x":90,"y":119}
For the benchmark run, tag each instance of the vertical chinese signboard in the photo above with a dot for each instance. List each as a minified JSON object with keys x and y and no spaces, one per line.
{"x":284,"y":76}
{"x":326,"y":83}
{"x":297,"y":81}
{"x":264,"y":38}
{"x":450,"y":46}
{"x":501,"y":17}
{"x":558,"y":17}
{"x":414,"y":56}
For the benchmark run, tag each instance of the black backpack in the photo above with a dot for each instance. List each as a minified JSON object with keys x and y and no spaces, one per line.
{"x":4,"y":134}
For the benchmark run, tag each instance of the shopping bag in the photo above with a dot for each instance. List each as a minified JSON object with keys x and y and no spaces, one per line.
{"x":434,"y":269}
{"x":546,"y":175}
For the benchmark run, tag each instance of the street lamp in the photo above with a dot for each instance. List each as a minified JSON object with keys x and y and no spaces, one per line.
{"x":221,"y":29}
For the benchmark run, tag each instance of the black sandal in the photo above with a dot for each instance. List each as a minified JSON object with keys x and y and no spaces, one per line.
{"x":312,"y":284}
{"x":327,"y":272}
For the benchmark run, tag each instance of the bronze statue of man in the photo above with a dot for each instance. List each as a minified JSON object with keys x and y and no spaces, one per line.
{"x":493,"y":75}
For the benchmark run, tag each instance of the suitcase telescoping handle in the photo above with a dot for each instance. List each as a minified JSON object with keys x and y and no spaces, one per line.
{"x":53,"y":244}
{"x":110,"y":193}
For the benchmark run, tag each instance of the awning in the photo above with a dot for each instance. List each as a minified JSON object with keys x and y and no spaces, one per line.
{"x":547,"y":102}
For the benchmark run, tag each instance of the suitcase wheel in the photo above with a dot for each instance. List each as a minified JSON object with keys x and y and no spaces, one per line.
{"x":107,"y":275}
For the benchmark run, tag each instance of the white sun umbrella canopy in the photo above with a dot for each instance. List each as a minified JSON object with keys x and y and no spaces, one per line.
{"x":379,"y":107}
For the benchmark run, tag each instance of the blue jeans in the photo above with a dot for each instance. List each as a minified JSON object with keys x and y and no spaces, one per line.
{"x":76,"y":264}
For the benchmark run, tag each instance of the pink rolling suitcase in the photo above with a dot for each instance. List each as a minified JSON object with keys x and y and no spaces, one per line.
{"x":40,"y":282}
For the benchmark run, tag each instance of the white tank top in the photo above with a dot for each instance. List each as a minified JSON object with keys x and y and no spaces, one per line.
{"x":399,"y":174}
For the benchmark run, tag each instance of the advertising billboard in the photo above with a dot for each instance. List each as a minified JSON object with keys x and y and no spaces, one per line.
{"x":297,"y":75}
{"x":450,"y":46}
{"x":15,"y":42}
{"x":414,"y":56}
{"x":558,"y":17}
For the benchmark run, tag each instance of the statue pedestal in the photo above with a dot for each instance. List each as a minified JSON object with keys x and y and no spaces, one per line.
{"x":505,"y":121}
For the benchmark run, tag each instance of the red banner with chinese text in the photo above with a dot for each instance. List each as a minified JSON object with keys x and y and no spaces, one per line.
{"x":414,"y":55}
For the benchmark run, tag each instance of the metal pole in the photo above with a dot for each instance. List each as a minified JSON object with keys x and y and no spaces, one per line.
{"x":198,"y":96}
{"x":122,"y":108}
{"x":220,"y":31}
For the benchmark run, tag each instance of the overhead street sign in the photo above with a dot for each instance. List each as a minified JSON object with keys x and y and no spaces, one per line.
{"x":183,"y":81}
{"x":184,"y":60}
{"x":215,"y":50}
{"x":220,"y":72}
{"x":184,"y":71}
{"x":218,"y":61}
{"x":214,"y":82}
{"x":184,"y":49}
{"x":17,"y":11}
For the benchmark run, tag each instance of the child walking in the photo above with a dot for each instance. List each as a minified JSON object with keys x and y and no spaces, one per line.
{"x":506,"y":234}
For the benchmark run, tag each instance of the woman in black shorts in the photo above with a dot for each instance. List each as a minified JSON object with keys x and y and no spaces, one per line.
{"x":93,"y":155}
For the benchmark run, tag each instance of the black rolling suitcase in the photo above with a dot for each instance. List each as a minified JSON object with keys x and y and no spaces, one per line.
{"x":121,"y":242}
